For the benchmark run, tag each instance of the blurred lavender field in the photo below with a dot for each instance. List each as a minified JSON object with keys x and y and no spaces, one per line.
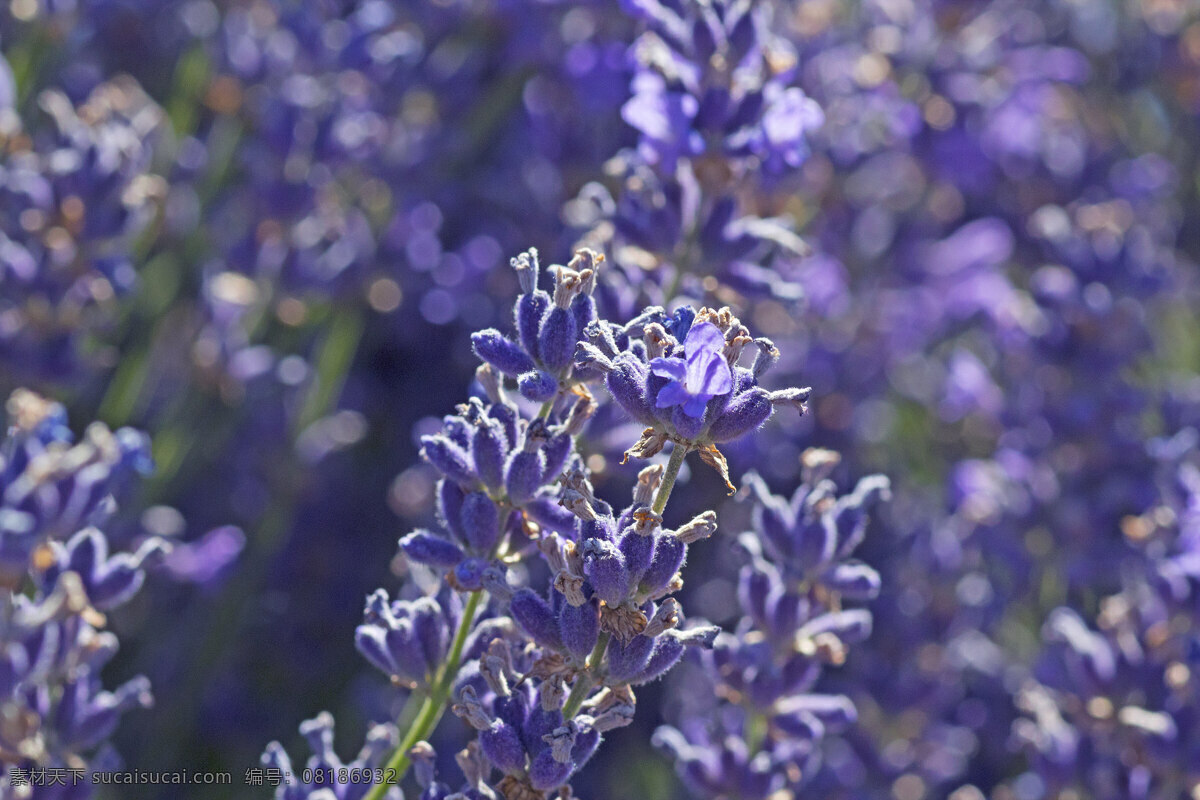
{"x":253,"y":254}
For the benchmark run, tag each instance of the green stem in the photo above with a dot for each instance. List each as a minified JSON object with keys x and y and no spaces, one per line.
{"x":412,"y":707}
{"x":756,"y":731}
{"x":547,"y":407}
{"x":434,"y":705}
{"x":668,"y":481}
{"x":587,"y":678}
{"x":333,"y":363}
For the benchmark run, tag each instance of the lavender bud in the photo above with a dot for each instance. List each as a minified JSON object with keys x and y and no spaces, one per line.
{"x":537,"y":386}
{"x":583,"y":307}
{"x":535,"y":617}
{"x":668,"y":558}
{"x":802,"y":726}
{"x":579,"y":627}
{"x":545,"y":773}
{"x":669,"y":649}
{"x":835,"y":711}
{"x":426,"y":548}
{"x":850,"y":626}
{"x":523,"y":476}
{"x":638,"y":552}
{"x":783,"y":613}
{"x":547,"y":513}
{"x":393,"y":652}
{"x":604,"y":566}
{"x":450,"y":498}
{"x":481,"y":522}
{"x":586,"y":742}
{"x":488,"y":450}
{"x":702,"y":636}
{"x":625,"y":660}
{"x":851,"y":510}
{"x":744,"y":413}
{"x":814,"y":542}
{"x":667,"y":652}
{"x":687,"y":426}
{"x":556,"y":340}
{"x":467,"y":575}
{"x":449,"y":459}
{"x":501,"y":743}
{"x":530,"y":310}
{"x":502,"y":353}
{"x":431,"y":630}
{"x":627,"y":385}
{"x":557,"y":451}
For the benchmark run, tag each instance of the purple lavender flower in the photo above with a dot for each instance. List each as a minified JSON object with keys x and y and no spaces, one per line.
{"x":694,"y":393}
{"x":699,"y":376}
{"x":53,"y":642}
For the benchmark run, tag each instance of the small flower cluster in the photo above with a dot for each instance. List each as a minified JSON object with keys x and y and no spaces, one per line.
{"x":73,"y":196}
{"x":712,"y":80}
{"x":57,"y":582}
{"x":548,"y":328}
{"x":716,"y":107}
{"x":1123,"y":690}
{"x":765,"y":736}
{"x":540,"y":676}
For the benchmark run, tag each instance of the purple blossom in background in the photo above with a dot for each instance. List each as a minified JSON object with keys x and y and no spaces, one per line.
{"x":954,"y":240}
